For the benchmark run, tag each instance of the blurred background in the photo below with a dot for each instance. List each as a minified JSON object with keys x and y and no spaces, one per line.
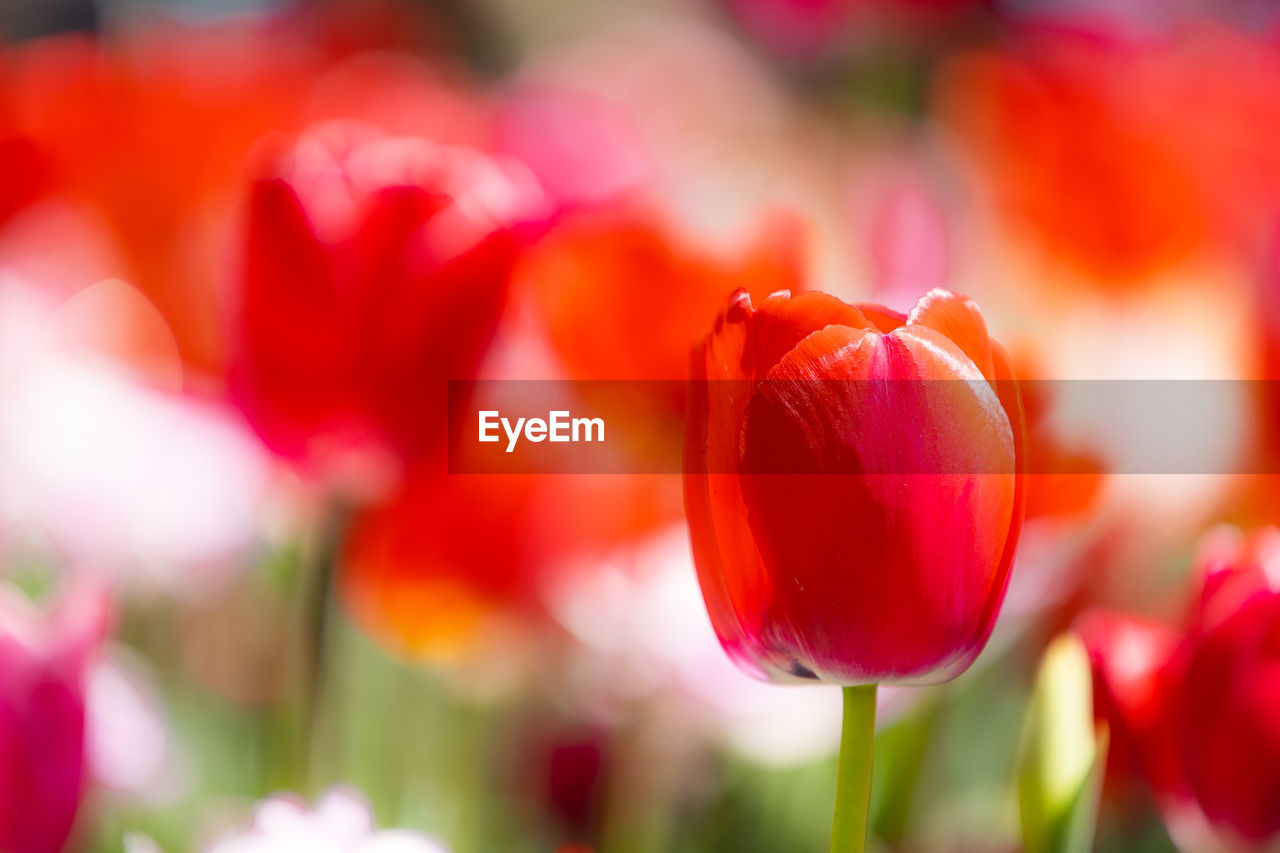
{"x":243,"y":245}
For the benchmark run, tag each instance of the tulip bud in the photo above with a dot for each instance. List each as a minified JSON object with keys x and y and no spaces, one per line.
{"x":851,"y":486}
{"x":1060,"y":773}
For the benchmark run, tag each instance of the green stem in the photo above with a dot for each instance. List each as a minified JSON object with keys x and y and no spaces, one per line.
{"x":317,"y":639}
{"x":853,"y":774}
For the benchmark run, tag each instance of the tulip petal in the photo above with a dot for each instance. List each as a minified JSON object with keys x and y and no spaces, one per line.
{"x":960,"y":319}
{"x":884,"y":319}
{"x":782,"y":321}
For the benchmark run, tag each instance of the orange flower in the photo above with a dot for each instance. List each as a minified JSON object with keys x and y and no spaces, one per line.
{"x":622,"y":298}
{"x":1091,"y":178}
{"x":151,"y":133}
{"x":426,"y":572}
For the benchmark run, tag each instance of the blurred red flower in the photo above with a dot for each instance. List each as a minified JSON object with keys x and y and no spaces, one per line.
{"x":1227,"y":703}
{"x":837,"y":567}
{"x":44,"y":664}
{"x":1229,"y":720}
{"x":794,"y":29}
{"x":1095,"y":184}
{"x":561,"y":769}
{"x":375,"y":269}
{"x":1193,"y":709}
{"x":149,"y":133}
{"x":1129,"y":657}
{"x":620,"y":299}
{"x":1123,"y":159}
{"x":426,"y":572}
{"x":623,"y":298}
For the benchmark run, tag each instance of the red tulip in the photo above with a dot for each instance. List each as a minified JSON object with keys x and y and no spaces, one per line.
{"x":1194,"y":709}
{"x":1226,"y":709}
{"x":562,"y":767}
{"x":1229,"y":720}
{"x":43,"y":668}
{"x":840,"y":567}
{"x":375,"y":269}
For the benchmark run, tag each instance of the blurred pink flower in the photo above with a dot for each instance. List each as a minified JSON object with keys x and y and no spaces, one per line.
{"x":909,"y":245}
{"x":583,"y":148}
{"x":130,"y":748}
{"x":678,"y":115}
{"x":44,"y":664}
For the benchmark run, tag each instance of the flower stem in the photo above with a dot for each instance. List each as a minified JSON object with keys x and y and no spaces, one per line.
{"x":853,"y":774}
{"x":317,"y":639}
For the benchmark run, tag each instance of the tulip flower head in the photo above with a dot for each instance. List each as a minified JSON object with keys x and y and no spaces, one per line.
{"x":850,"y":526}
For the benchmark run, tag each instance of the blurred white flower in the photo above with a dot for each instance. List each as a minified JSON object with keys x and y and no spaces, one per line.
{"x":645,"y":628}
{"x":340,"y":822}
{"x":116,"y":472}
